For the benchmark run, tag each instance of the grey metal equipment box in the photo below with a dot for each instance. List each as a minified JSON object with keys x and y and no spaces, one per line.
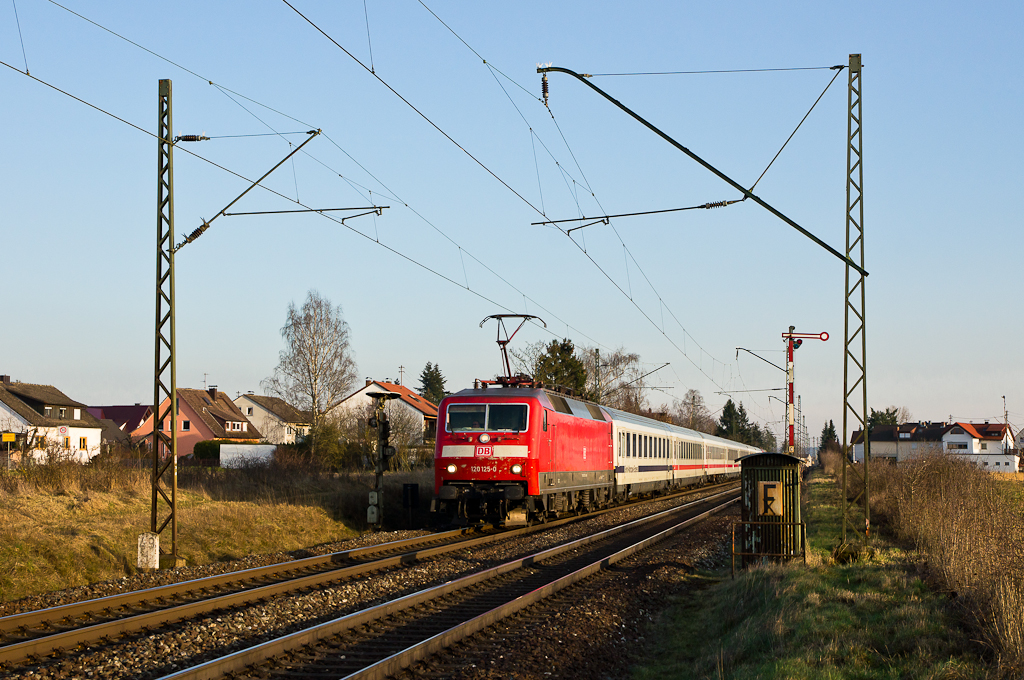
{"x":771,"y":526}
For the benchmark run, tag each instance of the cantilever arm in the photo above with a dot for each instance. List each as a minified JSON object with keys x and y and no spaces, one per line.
{"x":728,"y":180}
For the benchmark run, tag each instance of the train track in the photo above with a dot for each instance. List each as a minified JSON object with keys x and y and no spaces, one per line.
{"x":382,"y":640}
{"x":41,"y":633}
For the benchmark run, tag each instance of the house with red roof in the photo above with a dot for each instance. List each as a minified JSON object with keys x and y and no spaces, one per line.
{"x":987,"y":445}
{"x":203,"y":415}
{"x":421,"y":411}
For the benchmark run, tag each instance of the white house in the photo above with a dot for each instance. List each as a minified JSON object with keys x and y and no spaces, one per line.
{"x":987,"y":445}
{"x":47,"y":424}
{"x":419,"y":409}
{"x":279,"y":421}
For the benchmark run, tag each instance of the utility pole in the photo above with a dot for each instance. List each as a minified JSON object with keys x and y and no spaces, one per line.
{"x":855,"y":344}
{"x":165,"y":442}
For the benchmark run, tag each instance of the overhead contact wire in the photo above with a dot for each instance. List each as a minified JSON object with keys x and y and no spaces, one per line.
{"x":349,"y":181}
{"x":737,"y":70}
{"x":17,"y":20}
{"x":838,"y":71}
{"x":413,"y":107}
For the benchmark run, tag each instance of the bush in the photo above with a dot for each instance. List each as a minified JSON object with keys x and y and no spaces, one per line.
{"x":967,"y":525}
{"x":207,"y":450}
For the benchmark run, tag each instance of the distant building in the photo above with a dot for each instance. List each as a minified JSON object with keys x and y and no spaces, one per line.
{"x":422,"y":411}
{"x":47,"y":423}
{"x":203,"y":415}
{"x":279,"y":421}
{"x":119,"y":422}
{"x":988,"y":445}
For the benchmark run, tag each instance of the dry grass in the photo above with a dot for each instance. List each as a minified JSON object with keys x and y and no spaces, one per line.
{"x":64,"y":525}
{"x":969,"y":527}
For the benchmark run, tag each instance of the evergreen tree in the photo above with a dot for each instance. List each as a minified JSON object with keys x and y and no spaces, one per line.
{"x":560,"y":366}
{"x":889,"y":416}
{"x":733,"y":423}
{"x":829,"y":438}
{"x":432,"y":383}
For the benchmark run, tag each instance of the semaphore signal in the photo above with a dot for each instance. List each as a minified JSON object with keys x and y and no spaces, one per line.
{"x":793,"y":342}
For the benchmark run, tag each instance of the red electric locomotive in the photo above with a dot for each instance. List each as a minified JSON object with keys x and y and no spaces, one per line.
{"x":502,"y":451}
{"x":510,"y":451}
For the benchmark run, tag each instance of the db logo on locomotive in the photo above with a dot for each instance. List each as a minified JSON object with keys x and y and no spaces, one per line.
{"x":483,"y":451}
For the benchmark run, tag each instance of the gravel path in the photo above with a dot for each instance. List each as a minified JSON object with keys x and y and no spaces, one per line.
{"x":156,"y":653}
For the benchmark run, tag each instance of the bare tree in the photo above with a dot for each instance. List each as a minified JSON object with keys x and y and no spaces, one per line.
{"x":316,"y":369}
{"x":614,"y":379}
{"x":693,"y":413}
{"x":903,"y":415}
{"x":361,"y":440}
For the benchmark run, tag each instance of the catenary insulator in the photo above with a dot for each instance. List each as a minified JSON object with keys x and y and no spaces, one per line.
{"x":544,"y":87}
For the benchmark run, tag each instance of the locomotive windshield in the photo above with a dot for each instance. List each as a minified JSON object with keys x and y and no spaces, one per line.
{"x":506,"y":417}
{"x":490,"y":417}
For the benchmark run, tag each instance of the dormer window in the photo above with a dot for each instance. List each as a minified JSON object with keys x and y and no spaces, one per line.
{"x":78,"y":414}
{"x":47,"y":411}
{"x":63,"y":413}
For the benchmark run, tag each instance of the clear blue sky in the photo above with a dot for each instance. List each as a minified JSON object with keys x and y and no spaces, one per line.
{"x":942,"y":143}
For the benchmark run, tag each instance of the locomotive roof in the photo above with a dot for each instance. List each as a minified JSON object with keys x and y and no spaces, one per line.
{"x":616,"y":414}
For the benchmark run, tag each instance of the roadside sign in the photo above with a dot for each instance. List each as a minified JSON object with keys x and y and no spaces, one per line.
{"x":63,"y":430}
{"x":8,"y":437}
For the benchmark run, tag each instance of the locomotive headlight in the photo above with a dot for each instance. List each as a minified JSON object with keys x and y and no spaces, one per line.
{"x":517,"y":469}
{"x":484,"y":438}
{"x":451,"y":469}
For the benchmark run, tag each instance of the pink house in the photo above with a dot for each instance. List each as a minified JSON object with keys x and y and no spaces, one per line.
{"x":203,"y":415}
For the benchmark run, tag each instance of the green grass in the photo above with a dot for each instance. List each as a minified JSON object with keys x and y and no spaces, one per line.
{"x":870,"y":619}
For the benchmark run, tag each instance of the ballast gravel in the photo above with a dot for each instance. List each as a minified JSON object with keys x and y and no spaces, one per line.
{"x":184,"y":644}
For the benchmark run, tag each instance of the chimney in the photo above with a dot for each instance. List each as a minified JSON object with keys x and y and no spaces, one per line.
{"x":368,"y":382}
{"x":5,"y":379}
{"x":213,"y":392}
